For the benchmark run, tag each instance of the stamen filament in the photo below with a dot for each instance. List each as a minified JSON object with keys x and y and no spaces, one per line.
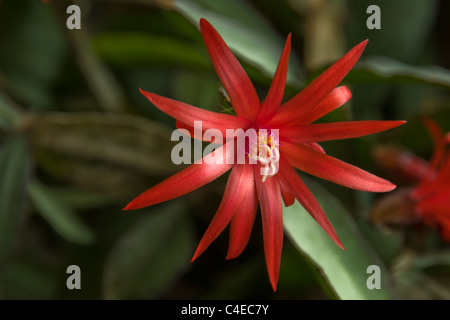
{"x":265,"y":150}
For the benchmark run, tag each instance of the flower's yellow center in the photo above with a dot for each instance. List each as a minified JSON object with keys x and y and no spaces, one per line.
{"x":265,"y":149}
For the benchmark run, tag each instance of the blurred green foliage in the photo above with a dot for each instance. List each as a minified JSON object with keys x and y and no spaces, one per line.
{"x":78,"y":142}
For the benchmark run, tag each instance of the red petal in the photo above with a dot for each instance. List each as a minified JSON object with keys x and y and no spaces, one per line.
{"x":338,"y":97}
{"x":439,"y":143}
{"x":185,"y":181}
{"x":286,"y":194}
{"x":438,"y":203}
{"x":191,"y":130}
{"x":276,"y":91}
{"x":239,"y":183}
{"x":238,"y":86}
{"x":436,"y":210}
{"x":442,"y":180}
{"x":320,"y":88}
{"x":431,"y":184}
{"x":402,"y":163}
{"x":334,"y":100}
{"x":307,"y":199}
{"x":318,"y":132}
{"x":315,"y":146}
{"x":332,"y":169}
{"x":272,"y":223}
{"x":182,"y":125}
{"x":437,"y":176}
{"x":434,"y":130}
{"x":242,"y":223}
{"x":188,"y":114}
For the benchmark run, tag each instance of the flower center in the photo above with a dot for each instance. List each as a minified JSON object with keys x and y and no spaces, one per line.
{"x":264,"y":148}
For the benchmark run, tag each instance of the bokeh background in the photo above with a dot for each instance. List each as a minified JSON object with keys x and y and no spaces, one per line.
{"x":78,"y":142}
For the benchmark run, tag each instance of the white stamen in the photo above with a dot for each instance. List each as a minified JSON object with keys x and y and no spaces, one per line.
{"x":267,"y":153}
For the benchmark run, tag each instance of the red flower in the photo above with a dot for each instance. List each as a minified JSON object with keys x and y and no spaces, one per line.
{"x":297,"y":148}
{"x":429,"y":200}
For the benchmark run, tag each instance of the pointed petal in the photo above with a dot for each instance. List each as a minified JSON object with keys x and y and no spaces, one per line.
{"x":442,"y":180}
{"x":439,"y":143}
{"x":182,"y":125}
{"x":192,"y":133}
{"x":318,"y":132}
{"x":272,"y":223}
{"x":436,"y":204}
{"x":317,"y":90}
{"x":437,"y":176}
{"x":315,"y":146}
{"x":276,"y":91}
{"x":307,"y":199}
{"x":435,"y":210}
{"x":242,"y":223}
{"x":188,"y":114}
{"x":435,"y":181}
{"x":337,"y":98}
{"x":239,"y":184}
{"x":286,"y":194}
{"x":434,"y":130}
{"x":238,"y":86}
{"x":402,"y":163}
{"x":185,"y":181}
{"x":329,"y":168}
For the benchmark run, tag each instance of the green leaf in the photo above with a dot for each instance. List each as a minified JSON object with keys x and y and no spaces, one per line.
{"x":8,"y":112}
{"x":410,"y":85}
{"x":32,"y":51}
{"x":13,"y":173}
{"x":383,"y":69}
{"x":112,"y":153}
{"x":139,"y":49}
{"x":404,"y":27}
{"x":245,"y":32}
{"x":151,"y":255}
{"x":100,"y":79}
{"x":344,"y":270}
{"x":79,"y":199}
{"x":403,"y":36}
{"x":62,"y":219}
